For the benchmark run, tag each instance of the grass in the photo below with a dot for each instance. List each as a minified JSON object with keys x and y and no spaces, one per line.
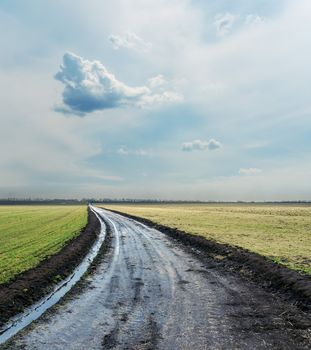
{"x":29,"y":234}
{"x":280,"y":232}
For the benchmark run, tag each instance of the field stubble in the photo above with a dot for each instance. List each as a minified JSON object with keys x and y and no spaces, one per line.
{"x":280,"y":232}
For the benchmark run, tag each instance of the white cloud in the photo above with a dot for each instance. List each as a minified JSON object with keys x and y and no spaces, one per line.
{"x":159,"y":98}
{"x":224,"y":23}
{"x":123,"y":150}
{"x":90,"y":87}
{"x":129,"y":40}
{"x":266,"y":98}
{"x":273,"y":69}
{"x":67,"y":145}
{"x":156,"y":81}
{"x":254,"y":20}
{"x":213,"y":144}
{"x":201,"y":145}
{"x":249,"y":171}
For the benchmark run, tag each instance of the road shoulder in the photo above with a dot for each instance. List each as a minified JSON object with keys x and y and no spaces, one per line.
{"x":290,"y":285}
{"x":33,"y":284}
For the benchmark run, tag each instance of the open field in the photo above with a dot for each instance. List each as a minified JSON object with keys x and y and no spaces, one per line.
{"x":279,"y":232}
{"x":28,"y":234}
{"x":148,"y":291}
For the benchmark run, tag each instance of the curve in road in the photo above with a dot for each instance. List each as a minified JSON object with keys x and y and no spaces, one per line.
{"x":151,"y":293}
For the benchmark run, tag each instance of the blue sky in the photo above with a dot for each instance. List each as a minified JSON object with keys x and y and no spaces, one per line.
{"x":174,"y":99}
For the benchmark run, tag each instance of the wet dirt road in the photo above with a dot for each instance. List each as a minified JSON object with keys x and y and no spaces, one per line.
{"x":151,"y":293}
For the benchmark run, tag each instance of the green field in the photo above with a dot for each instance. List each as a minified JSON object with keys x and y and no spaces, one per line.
{"x":28,"y":234}
{"x":279,"y":232}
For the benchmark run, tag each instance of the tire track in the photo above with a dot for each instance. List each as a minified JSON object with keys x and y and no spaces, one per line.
{"x":153,"y":294}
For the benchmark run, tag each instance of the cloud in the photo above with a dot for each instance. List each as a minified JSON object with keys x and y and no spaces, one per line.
{"x":201,"y":145}
{"x":249,"y":171}
{"x":129,"y":40}
{"x":123,"y":150}
{"x":224,"y":23}
{"x":89,"y":87}
{"x":269,"y":99}
{"x":157,"y":81}
{"x":254,"y":20}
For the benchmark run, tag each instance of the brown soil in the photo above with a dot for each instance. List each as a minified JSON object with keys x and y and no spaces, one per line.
{"x":289,"y":284}
{"x":33,"y":284}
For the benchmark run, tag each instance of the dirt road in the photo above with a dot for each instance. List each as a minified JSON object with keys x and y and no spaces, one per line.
{"x":151,"y":293}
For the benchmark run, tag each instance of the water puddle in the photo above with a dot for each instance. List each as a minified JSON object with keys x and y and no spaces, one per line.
{"x":35,"y":311}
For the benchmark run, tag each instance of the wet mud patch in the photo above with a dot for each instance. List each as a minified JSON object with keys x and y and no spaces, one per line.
{"x":32,"y":285}
{"x":290,"y":285}
{"x":124,"y":317}
{"x":232,"y":313}
{"x":152,"y":335}
{"x":110,"y":340}
{"x":82,"y":285}
{"x":137,"y":290}
{"x":181,"y":282}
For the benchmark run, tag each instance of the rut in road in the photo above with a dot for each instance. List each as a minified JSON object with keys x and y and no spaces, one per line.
{"x":151,"y":293}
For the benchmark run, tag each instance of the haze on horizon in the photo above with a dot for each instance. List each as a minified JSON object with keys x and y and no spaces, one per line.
{"x":174,"y":99}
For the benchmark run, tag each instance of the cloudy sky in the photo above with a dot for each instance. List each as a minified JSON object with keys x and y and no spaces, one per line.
{"x":171,"y":99}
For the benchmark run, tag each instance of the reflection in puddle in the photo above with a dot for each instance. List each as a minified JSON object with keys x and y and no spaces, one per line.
{"x":22,"y":320}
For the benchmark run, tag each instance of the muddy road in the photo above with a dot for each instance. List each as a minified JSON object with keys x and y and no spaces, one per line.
{"x":151,"y":293}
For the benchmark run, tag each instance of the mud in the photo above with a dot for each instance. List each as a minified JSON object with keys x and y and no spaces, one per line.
{"x":278,"y":279}
{"x":150,"y":291}
{"x":30,"y":286}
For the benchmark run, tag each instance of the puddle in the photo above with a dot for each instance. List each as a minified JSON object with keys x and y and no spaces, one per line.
{"x":32,"y":313}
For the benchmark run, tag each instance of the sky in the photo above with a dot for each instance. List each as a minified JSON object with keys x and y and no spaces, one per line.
{"x":161,"y":99}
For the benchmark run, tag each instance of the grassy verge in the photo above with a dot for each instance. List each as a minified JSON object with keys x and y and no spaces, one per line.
{"x":29,"y":234}
{"x":280,"y":232}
